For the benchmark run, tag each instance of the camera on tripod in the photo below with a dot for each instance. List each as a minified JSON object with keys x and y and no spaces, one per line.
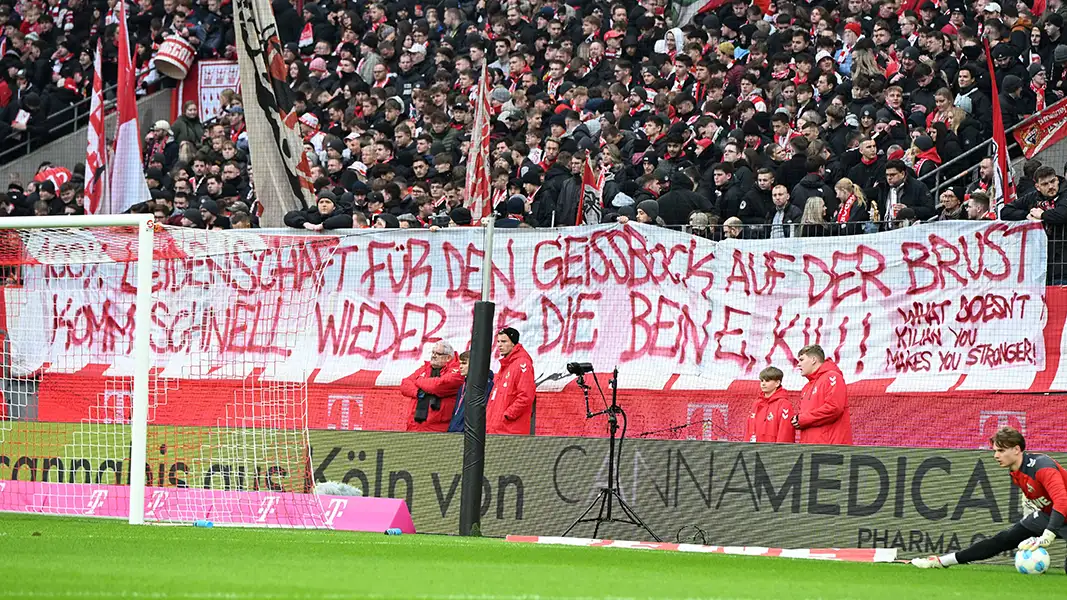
{"x":609,"y":496}
{"x":579,"y":369}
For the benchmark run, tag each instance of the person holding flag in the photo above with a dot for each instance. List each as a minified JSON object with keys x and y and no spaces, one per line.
{"x":1002,"y":179}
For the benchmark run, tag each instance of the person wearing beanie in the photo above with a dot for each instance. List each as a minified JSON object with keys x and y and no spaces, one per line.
{"x":1033,"y":100}
{"x":515,"y":209}
{"x":386,"y":221}
{"x":460,"y":216}
{"x":327,"y":214}
{"x":648,"y":213}
{"x":510,"y":405}
{"x":1011,"y":93}
{"x":192,"y":219}
{"x":211,"y":214}
{"x":926,"y":156}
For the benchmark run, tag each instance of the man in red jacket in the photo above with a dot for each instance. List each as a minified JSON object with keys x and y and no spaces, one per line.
{"x":433,"y":387}
{"x":770,"y":420}
{"x":823,"y":417}
{"x":511,"y":403}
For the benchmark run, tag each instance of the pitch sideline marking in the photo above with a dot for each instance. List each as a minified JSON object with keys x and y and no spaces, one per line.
{"x":242,"y":596}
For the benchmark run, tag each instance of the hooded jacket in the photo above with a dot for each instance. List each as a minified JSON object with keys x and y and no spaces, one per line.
{"x":510,"y":405}
{"x":771,"y":419}
{"x":824,"y":416}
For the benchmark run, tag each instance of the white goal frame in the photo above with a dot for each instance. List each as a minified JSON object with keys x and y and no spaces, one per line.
{"x":145,"y":225}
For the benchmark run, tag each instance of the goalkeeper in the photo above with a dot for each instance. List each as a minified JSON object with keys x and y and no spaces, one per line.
{"x":1044,"y":484}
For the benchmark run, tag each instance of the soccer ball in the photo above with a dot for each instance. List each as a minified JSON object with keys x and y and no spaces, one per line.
{"x":1032,"y":562}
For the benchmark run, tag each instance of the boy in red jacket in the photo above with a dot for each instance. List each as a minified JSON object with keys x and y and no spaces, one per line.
{"x":823,"y":416}
{"x":770,"y":418}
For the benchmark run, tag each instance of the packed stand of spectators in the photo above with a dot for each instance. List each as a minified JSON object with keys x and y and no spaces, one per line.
{"x":47,"y":49}
{"x":754,"y":120}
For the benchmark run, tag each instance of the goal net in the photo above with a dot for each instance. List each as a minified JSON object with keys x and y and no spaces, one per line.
{"x":117,"y":363}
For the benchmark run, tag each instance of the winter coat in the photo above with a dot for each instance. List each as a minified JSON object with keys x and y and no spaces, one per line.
{"x":771,"y":419}
{"x":510,"y":405}
{"x":545,"y":202}
{"x":813,"y":185}
{"x":824,"y":416}
{"x":444,"y":385}
{"x":676,"y":205}
{"x":790,"y":220}
{"x":867,"y":176}
{"x":914,"y":194}
{"x":457,"y":423}
{"x":792,"y":171}
{"x":335,"y":220}
{"x":570,"y":191}
{"x":729,"y":200}
{"x":754,"y":206}
{"x":1054,"y":219}
{"x":187,"y":130}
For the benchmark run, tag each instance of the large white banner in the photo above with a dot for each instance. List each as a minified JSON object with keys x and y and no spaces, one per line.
{"x":934,"y":301}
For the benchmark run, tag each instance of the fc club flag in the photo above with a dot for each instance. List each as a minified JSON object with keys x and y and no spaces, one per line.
{"x":94,"y":155}
{"x":1043,"y":130}
{"x":478,"y":167}
{"x":592,"y":193}
{"x":128,"y":185}
{"x":1002,"y":180}
{"x":283,"y":174}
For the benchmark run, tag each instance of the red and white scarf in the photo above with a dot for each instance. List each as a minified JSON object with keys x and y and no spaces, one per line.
{"x":846,"y":209}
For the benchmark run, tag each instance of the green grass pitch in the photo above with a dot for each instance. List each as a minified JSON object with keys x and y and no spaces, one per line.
{"x":50,"y":557}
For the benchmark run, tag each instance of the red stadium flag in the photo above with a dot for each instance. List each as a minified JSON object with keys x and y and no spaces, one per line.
{"x":128,"y":185}
{"x":589,"y":202}
{"x":1002,"y":181}
{"x":478,"y":162}
{"x":94,"y":155}
{"x":57,"y":175}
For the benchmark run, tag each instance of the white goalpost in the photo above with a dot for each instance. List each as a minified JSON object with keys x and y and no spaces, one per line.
{"x":145,"y":372}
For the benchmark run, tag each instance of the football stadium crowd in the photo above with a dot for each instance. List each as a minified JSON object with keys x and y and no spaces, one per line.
{"x":754,"y":119}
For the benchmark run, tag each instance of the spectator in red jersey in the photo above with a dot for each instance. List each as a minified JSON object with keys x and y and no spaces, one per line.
{"x":823,"y":417}
{"x":1042,"y":481}
{"x":769,"y":421}
{"x":511,"y":404}
{"x":433,"y":387}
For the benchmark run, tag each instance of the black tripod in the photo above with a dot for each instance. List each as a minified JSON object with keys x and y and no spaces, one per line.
{"x":608,"y":495}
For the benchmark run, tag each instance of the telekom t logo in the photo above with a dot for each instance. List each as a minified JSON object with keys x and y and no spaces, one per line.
{"x":266,"y":507}
{"x":989,"y":421}
{"x":340,"y":409}
{"x":335,"y":509}
{"x":159,"y":498}
{"x":96,"y":500}
{"x":709,"y":420}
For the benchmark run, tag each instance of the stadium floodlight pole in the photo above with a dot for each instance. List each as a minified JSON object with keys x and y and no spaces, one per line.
{"x":141,"y":350}
{"x":474,"y":399}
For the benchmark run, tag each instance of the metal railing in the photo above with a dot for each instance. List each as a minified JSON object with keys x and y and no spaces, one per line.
{"x":936,"y":176}
{"x":71,"y":119}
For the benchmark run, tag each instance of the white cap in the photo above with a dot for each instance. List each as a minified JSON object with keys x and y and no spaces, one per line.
{"x":992,"y":7}
{"x":821,"y":54}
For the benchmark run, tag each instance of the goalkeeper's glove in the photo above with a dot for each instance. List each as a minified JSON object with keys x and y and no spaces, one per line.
{"x":1040,"y":541}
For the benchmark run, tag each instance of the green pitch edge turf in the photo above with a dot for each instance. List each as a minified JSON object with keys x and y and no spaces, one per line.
{"x":52,"y":557}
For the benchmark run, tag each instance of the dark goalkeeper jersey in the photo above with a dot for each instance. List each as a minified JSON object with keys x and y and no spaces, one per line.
{"x":1044,"y":482}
